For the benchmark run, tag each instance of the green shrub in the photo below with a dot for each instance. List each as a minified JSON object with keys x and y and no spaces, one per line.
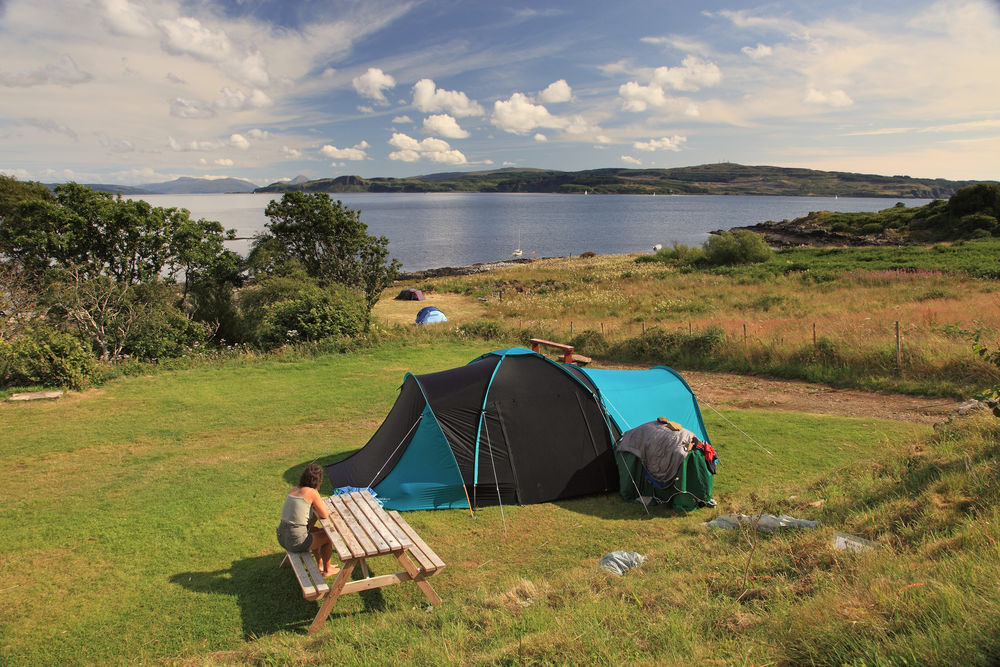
{"x":484,"y":329}
{"x":590,"y":342}
{"x":291,"y":309}
{"x":732,"y":248}
{"x":47,"y":357}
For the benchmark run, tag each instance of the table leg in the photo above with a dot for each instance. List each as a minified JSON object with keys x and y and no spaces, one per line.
{"x":338,"y":585}
{"x":417,"y":577}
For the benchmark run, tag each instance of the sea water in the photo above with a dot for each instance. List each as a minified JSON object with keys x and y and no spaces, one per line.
{"x":457,"y":229}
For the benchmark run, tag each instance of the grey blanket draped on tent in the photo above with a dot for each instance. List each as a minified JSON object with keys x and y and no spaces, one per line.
{"x":660,"y":448}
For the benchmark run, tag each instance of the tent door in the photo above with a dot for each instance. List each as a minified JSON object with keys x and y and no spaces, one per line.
{"x":510,"y":456}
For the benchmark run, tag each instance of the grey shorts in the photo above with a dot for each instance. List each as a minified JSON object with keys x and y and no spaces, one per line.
{"x":294,"y":538}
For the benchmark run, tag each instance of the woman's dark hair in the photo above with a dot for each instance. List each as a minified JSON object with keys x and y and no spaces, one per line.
{"x":311,"y":476}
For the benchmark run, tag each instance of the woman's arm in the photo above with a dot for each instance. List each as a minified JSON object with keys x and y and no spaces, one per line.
{"x":317,"y":503}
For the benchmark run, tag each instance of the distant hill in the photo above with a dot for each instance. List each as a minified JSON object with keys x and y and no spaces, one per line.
{"x":180,"y":186}
{"x":115,"y":189}
{"x":186,"y":185}
{"x":721,"y":179}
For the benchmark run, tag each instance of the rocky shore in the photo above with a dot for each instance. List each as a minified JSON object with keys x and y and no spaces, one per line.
{"x":462,"y":270}
{"x":799,"y":233}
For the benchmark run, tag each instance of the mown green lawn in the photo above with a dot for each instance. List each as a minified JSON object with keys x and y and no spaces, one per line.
{"x":137,"y":525}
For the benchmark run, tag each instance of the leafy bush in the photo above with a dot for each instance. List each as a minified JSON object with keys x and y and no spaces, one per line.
{"x":659,"y":345}
{"x":484,"y":329}
{"x":47,"y":357}
{"x":289,"y":309}
{"x":590,"y":342}
{"x":739,"y":247}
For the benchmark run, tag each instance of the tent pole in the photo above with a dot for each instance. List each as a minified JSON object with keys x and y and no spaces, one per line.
{"x":471,"y":512}
{"x":496,"y":479}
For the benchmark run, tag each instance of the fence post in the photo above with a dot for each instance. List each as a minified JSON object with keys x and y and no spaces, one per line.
{"x":814,"y":334}
{"x":744,"y":333}
{"x":690,"y":330}
{"x":570,"y":329}
{"x":899,"y":350}
{"x":644,"y":327}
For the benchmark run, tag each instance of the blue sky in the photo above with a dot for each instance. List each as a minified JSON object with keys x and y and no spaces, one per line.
{"x":136,"y":91}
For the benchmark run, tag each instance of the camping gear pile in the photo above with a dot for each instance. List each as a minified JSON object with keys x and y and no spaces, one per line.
{"x":515,"y":427}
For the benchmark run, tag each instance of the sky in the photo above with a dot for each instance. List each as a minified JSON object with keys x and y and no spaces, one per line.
{"x":142,"y":91}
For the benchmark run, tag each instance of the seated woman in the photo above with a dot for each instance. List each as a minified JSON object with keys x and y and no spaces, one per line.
{"x":303,"y":505}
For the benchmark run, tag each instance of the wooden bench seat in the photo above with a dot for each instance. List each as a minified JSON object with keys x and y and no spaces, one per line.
{"x":307,"y":572}
{"x":567,"y":351}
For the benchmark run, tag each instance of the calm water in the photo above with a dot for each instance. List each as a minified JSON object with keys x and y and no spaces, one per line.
{"x":456,"y":229}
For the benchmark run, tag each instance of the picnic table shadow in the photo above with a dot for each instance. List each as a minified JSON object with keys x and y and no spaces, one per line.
{"x":269,"y":597}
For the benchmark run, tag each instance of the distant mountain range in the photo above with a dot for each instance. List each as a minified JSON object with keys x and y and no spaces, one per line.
{"x":183,"y":185}
{"x":716,"y":179}
{"x":719,"y":179}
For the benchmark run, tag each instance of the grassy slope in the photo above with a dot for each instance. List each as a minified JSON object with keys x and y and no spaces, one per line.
{"x":136,"y":525}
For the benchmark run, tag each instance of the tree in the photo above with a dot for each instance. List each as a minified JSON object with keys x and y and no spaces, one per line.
{"x":13,"y":191}
{"x":94,"y":232}
{"x":328,"y":240}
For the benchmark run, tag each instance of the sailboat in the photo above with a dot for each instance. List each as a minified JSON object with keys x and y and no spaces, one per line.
{"x":517,"y":251}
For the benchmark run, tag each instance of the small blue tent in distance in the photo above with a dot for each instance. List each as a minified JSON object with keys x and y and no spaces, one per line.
{"x":513,"y":427}
{"x":430,"y":315}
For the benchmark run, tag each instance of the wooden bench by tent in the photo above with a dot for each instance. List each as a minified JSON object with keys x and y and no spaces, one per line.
{"x":567,"y":351}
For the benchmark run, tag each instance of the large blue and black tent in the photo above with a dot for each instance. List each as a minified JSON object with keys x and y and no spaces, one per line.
{"x":510,"y":427}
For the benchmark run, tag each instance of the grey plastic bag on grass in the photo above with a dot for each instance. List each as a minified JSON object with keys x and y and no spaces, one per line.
{"x":617,"y":562}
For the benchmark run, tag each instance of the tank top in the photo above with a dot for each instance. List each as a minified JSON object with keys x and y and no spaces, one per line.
{"x":296,"y":510}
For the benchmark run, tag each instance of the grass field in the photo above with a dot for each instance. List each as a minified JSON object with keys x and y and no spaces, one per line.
{"x":137,"y":526}
{"x":898,"y":319}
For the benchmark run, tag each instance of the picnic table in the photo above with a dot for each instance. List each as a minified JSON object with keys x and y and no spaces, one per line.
{"x":359,"y":529}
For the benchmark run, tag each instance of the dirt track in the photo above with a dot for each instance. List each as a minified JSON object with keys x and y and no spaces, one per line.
{"x":740,"y":391}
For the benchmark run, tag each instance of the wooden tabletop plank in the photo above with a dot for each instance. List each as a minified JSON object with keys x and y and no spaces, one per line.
{"x":422,"y":552}
{"x":404,"y":540}
{"x":343,"y":551}
{"x":378,"y":520}
{"x":353,"y":527}
{"x":343,"y":530}
{"x":366,"y":525}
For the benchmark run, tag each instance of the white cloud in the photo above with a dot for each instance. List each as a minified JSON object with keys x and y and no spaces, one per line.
{"x":194,"y":145}
{"x":257,"y":134}
{"x":541,"y":137}
{"x":187,"y":35}
{"x":427,"y":97}
{"x":123,"y":18}
{"x":835,"y":98}
{"x":18,"y":173}
{"x":239,"y":141}
{"x":673,"y":143}
{"x":291,"y":153}
{"x":64,"y":73}
{"x":372,"y":83}
{"x":431,"y":148}
{"x":758,"y":52}
{"x":692,"y":75}
{"x":518,"y":115}
{"x":402,"y":120}
{"x":181,"y":107}
{"x":444,"y":125}
{"x":557,"y":91}
{"x":224,"y":162}
{"x":356,"y":152}
{"x":630,"y":159}
{"x":237,"y":100}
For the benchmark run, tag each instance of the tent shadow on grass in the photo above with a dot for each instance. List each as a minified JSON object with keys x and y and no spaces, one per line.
{"x":269,"y":598}
{"x":291,"y":476}
{"x":612,"y":507}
